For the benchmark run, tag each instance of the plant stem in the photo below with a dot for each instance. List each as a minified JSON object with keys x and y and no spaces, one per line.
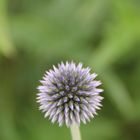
{"x":6,"y":44}
{"x":75,"y":132}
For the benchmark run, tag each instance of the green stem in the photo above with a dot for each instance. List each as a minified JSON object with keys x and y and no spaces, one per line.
{"x":75,"y":132}
{"x":6,"y":44}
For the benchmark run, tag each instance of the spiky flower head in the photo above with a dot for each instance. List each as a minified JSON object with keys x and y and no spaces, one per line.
{"x":69,"y":94}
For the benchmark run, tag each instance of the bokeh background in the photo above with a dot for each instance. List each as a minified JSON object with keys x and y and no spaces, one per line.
{"x":36,"y":34}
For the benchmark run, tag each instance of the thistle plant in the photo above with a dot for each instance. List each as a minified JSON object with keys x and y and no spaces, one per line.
{"x":69,"y":95}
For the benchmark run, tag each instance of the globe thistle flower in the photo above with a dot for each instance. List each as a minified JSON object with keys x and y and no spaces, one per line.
{"x":68,"y":94}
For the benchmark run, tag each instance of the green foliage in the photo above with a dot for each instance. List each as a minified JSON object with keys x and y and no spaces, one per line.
{"x":36,"y":34}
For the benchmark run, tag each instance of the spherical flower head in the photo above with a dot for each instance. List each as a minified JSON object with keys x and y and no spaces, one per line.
{"x":69,"y":94}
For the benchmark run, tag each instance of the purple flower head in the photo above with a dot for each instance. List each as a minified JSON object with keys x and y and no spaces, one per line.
{"x":69,"y":94}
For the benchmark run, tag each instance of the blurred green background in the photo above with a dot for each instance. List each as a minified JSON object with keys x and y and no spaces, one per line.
{"x":36,"y":34}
